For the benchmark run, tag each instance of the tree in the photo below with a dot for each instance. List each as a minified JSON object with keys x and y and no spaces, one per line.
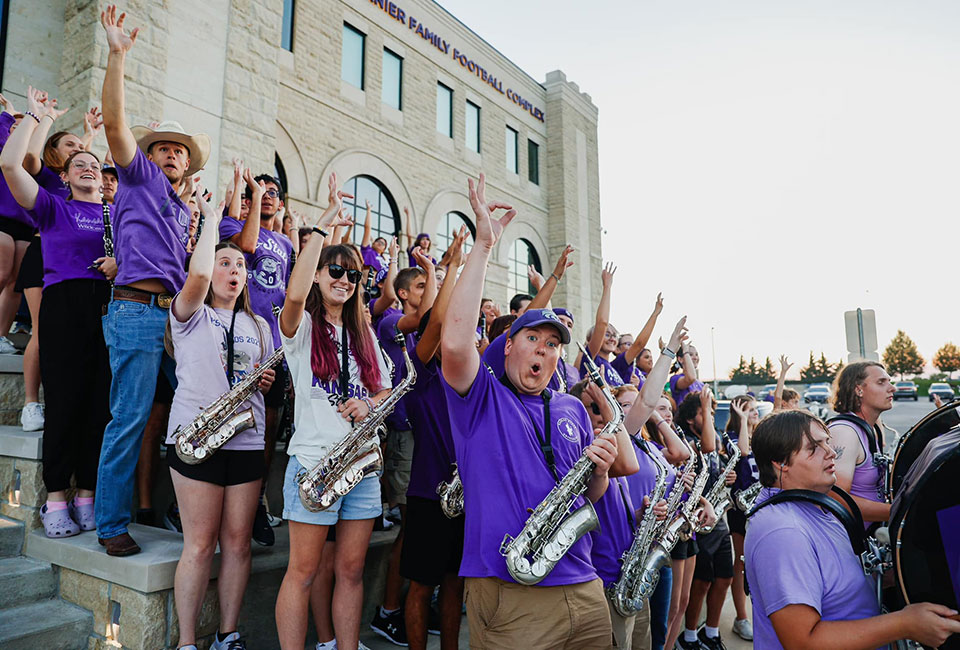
{"x":820,"y":370}
{"x":947,"y":359}
{"x":902,"y":355}
{"x":769,"y":376}
{"x":739,"y":373}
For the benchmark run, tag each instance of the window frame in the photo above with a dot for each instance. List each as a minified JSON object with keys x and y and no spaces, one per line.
{"x":363,"y":55}
{"x":533,"y":162}
{"x":449,"y":132}
{"x":387,"y":52}
{"x":513,"y":276}
{"x":516,"y":150}
{"x":359,"y":209}
{"x":466,"y":125}
{"x":288,"y":25}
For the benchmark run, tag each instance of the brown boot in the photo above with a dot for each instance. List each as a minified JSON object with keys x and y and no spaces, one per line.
{"x":120,"y":545}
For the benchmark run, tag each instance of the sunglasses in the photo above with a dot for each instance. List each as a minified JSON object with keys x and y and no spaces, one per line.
{"x":336,"y":272}
{"x":595,"y":408}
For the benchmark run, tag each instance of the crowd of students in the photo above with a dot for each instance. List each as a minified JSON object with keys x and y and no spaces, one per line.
{"x":149,"y":301}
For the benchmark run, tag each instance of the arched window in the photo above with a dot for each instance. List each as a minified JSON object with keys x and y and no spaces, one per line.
{"x":383,"y":209}
{"x":450,"y":223}
{"x":279,"y":172}
{"x":522,"y":255}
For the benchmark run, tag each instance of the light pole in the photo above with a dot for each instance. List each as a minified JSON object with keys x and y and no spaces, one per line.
{"x":713,"y":349}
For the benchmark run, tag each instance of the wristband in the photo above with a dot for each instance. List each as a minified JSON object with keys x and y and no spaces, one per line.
{"x":368,"y":402}
{"x":555,"y":277}
{"x":323,"y":233}
{"x":670,"y":353}
{"x":33,"y":115}
{"x":659,"y":417}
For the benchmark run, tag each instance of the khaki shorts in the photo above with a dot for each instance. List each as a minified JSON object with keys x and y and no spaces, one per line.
{"x":642,"y":639}
{"x":631,"y":632}
{"x":507,"y":616}
{"x":397,"y":460}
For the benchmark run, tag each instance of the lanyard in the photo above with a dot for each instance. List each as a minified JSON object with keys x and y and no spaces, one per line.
{"x":626,"y":505}
{"x":344,"y":365}
{"x":229,"y":333}
{"x":546,"y":448}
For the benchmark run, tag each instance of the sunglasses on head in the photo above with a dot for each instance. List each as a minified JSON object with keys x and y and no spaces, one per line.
{"x":336,"y":272}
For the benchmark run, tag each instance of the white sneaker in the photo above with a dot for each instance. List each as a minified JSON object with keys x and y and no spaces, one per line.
{"x":32,"y":417}
{"x":274,"y":522}
{"x":327,"y":645}
{"x":743,"y":629}
{"x":7,"y":346}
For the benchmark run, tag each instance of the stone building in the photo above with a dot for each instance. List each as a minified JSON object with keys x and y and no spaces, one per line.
{"x":399,"y":98}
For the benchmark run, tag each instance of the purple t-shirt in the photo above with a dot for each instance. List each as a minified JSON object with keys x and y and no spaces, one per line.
{"x":72,"y":234}
{"x":678,"y":394}
{"x":150,"y":225}
{"x":494,"y":357}
{"x":372,"y":259}
{"x":9,"y":208}
{"x":413,"y":260}
{"x":200,"y":349}
{"x":615,"y":510}
{"x":625,"y":369}
{"x":375,"y":320}
{"x":504,"y":472}
{"x":642,"y":483}
{"x":433,"y":448}
{"x":386,"y":330}
{"x":268,"y":271}
{"x":50,"y":181}
{"x":611,"y":376}
{"x":747,"y":471}
{"x":797,"y":554}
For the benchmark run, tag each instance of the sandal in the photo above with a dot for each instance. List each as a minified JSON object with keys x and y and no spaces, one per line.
{"x":83,"y":515}
{"x":58,"y":523}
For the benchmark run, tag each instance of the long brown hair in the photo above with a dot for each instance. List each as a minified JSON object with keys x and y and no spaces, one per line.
{"x":845,"y":399}
{"x":52,"y":157}
{"x":243,"y":300}
{"x":324,"y":360}
{"x":733,"y":424}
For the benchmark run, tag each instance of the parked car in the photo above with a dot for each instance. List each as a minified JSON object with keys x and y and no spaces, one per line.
{"x":905,"y":390}
{"x":817,"y":393}
{"x":722,"y":415}
{"x":943,"y":390}
{"x":766,"y":393}
{"x":734,"y":390}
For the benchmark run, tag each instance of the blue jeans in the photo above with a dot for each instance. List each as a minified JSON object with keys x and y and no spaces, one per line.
{"x":660,"y":608}
{"x":133,"y":333}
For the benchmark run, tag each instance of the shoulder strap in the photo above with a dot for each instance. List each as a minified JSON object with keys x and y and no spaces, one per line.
{"x":873,"y":433}
{"x":853,"y":523}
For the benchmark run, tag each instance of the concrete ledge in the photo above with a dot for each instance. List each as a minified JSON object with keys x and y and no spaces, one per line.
{"x":11,"y":363}
{"x":16,"y":442}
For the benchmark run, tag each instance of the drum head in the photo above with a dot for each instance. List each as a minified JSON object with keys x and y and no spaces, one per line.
{"x":915,"y":440}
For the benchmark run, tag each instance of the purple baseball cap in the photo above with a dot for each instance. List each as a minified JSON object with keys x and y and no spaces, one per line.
{"x":562,"y":311}
{"x":537,"y":317}
{"x":381,"y":275}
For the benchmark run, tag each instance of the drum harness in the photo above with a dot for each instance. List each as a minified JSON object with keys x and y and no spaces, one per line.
{"x":880,"y":460}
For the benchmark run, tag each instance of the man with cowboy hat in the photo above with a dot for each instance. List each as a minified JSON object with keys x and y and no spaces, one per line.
{"x":150,"y":225}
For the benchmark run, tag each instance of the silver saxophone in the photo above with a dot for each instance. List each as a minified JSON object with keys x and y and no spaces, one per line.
{"x":451,"y":495}
{"x":215,"y":425}
{"x":625,"y":594}
{"x":719,"y":496}
{"x":552,"y":529}
{"x":357,"y":455}
{"x":690,"y":511}
{"x":745,"y":499}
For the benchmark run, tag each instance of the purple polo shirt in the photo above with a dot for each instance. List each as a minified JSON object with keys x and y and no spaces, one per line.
{"x":268,"y":271}
{"x":150,"y":225}
{"x":615,"y":510}
{"x":386,"y":330}
{"x":504,"y":473}
{"x":72,"y":234}
{"x":609,"y":374}
{"x":679,"y":394}
{"x":797,"y":554}
{"x":493,"y":356}
{"x":433,"y":452}
{"x":624,"y":369}
{"x":9,"y":208}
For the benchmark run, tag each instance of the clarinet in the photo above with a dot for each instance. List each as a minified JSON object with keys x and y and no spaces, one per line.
{"x":107,"y":231}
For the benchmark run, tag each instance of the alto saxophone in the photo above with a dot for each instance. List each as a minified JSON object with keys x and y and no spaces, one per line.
{"x":625,"y":593}
{"x":357,"y":455}
{"x":719,"y":496}
{"x":746,"y":499}
{"x":451,"y":495}
{"x":552,"y":529}
{"x":216,"y":424}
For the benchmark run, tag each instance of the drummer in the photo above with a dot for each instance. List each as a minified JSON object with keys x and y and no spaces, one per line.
{"x":806,"y":582}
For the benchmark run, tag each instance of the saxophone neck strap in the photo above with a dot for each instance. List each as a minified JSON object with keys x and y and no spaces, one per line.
{"x":230,"y":353}
{"x":852,"y":523}
{"x":546,"y":447}
{"x":627,"y":505}
{"x":344,"y":364}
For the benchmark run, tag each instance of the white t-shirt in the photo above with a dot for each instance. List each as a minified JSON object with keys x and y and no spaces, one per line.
{"x":317,"y":424}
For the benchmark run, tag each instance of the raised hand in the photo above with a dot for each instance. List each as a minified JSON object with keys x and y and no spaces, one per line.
{"x":455,"y":252}
{"x":36,"y":101}
{"x":92,"y":121}
{"x":423,"y":261}
{"x":739,"y":407}
{"x":7,"y":105}
{"x":659,"y":306}
{"x":563,"y":263}
{"x":394,"y":248}
{"x":678,"y":337}
{"x":607,"y":275}
{"x":785,"y":365}
{"x":489,"y":229}
{"x":331,"y":216}
{"x":533,"y":275}
{"x":119,"y":42}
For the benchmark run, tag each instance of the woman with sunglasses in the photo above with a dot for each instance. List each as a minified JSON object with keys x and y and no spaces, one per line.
{"x":602,"y":337}
{"x":73,"y":357}
{"x":322,"y":326}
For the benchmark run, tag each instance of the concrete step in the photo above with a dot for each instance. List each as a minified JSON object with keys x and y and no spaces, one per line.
{"x":23,"y":581}
{"x":47,"y":624}
{"x":11,"y":537}
{"x":16,"y":442}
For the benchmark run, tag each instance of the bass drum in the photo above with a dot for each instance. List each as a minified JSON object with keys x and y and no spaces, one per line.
{"x":925,"y":530}
{"x":912,"y":443}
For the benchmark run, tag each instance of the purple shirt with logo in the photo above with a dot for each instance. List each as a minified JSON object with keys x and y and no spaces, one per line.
{"x":433,"y":452}
{"x":494,"y":357}
{"x":504,"y":472}
{"x":9,"y":208}
{"x":797,"y":554}
{"x":72,"y":234}
{"x":268,"y":270}
{"x":615,"y":510}
{"x":679,"y":394}
{"x":372,"y":259}
{"x":386,"y":330}
{"x":609,"y":374}
{"x":625,"y":369}
{"x":150,"y":225}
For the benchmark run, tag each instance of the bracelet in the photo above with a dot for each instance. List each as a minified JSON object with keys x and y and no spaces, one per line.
{"x":368,"y":402}
{"x":659,"y":417}
{"x":555,"y":277}
{"x":32,"y":115}
{"x":323,"y":233}
{"x":670,"y":353}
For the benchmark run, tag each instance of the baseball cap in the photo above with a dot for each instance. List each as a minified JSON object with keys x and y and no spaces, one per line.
{"x":537,"y":317}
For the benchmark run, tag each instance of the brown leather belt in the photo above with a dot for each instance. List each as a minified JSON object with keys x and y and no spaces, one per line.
{"x":162,"y":300}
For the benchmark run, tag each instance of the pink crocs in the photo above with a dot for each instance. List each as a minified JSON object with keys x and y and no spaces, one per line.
{"x":58,"y":523}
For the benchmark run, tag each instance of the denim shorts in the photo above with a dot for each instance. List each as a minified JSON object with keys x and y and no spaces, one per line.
{"x":362,"y":502}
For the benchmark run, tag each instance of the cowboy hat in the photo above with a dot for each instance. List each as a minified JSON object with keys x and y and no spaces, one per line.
{"x":198,"y":145}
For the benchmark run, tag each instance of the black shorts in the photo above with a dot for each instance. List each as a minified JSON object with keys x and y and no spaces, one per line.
{"x":17,"y":229}
{"x":31,"y":268}
{"x":274,"y":397}
{"x":737,"y":521}
{"x":715,"y":559}
{"x":432,"y":542}
{"x":163,"y":394}
{"x":683,"y":550}
{"x":225,"y":467}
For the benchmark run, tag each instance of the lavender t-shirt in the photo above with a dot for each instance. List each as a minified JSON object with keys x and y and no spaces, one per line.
{"x":200,"y":349}
{"x":679,"y":394}
{"x":150,"y":225}
{"x":797,"y":554}
{"x":625,"y":369}
{"x":494,"y":357}
{"x":615,"y":510}
{"x":609,"y":374}
{"x":9,"y":208}
{"x":386,"y":330}
{"x":433,"y":451}
{"x":504,"y":473}
{"x":268,"y":271}
{"x":72,"y":234}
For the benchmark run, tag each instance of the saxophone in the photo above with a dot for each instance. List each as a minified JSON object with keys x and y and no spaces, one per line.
{"x":747,"y":498}
{"x":690,"y":509}
{"x":451,"y":495}
{"x":357,"y":454}
{"x":216,"y":424}
{"x":624,"y":594}
{"x":719,"y":496}
{"x":551,"y":529}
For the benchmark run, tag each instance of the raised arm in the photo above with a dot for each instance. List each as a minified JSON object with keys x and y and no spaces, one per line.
{"x":367,"y":240}
{"x":653,"y":387}
{"x":708,"y":433}
{"x":458,"y":341}
{"x":236,"y":196}
{"x":33,"y":160}
{"x":785,"y":365}
{"x":388,"y":297}
{"x":545,"y":291}
{"x":248,"y":237}
{"x":409,"y":232}
{"x":291,"y":228}
{"x":743,"y":441}
{"x":22,"y":185}
{"x":640,"y":342}
{"x":200,"y":271}
{"x":92,"y":125}
{"x":689,"y":370}
{"x":409,"y":323}
{"x":603,"y":312}
{"x":430,"y":340}
{"x":120,"y":138}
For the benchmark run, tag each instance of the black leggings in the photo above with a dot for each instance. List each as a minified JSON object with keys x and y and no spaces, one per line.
{"x":75,"y":370}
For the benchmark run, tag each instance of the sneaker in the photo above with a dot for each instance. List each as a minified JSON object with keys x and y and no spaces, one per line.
{"x":683,"y":644}
{"x":21,"y":328}
{"x":391,"y":627}
{"x":433,"y":621}
{"x":262,"y":533}
{"x":31,"y":417}
{"x":231,"y":642}
{"x":7,"y":346}
{"x":274,"y":521}
{"x":710,"y":644}
{"x":171,"y":520}
{"x":392,"y":514}
{"x":327,"y":645}
{"x":743,"y":629}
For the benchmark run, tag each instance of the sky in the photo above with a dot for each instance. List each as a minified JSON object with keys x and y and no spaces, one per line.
{"x":767,"y":165}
